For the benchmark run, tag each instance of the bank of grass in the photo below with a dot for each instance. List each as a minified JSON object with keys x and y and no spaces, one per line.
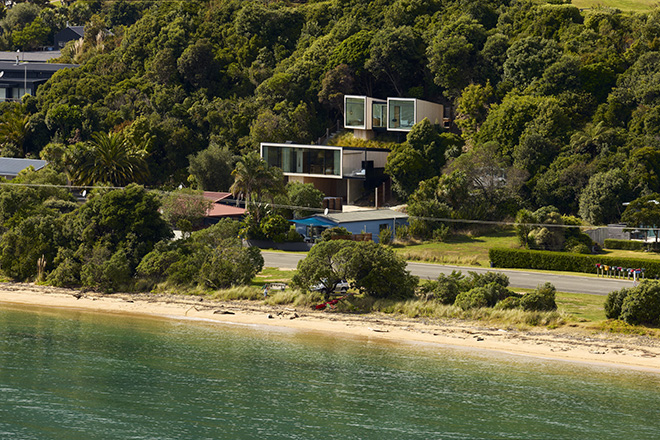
{"x":463,"y":249}
{"x":624,"y":5}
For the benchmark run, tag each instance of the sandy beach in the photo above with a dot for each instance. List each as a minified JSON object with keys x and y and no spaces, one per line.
{"x":566,"y":343}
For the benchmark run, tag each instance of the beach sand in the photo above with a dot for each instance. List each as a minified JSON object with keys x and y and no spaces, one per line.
{"x":566,"y":343}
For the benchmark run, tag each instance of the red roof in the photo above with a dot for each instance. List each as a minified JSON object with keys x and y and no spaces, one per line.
{"x":219,"y":210}
{"x":216,"y":196}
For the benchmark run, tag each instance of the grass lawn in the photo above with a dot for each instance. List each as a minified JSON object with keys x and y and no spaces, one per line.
{"x":631,"y":254}
{"x":624,"y":5}
{"x":582,"y":306}
{"x":460,"y":249}
{"x":272,"y":275}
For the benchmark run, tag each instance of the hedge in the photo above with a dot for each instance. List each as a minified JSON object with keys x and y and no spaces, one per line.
{"x":627,"y":245}
{"x":566,"y":262}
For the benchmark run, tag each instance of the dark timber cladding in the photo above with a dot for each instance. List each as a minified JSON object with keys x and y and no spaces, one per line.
{"x":19,"y":79}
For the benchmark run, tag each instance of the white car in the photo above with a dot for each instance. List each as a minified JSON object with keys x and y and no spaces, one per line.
{"x":341,"y":287}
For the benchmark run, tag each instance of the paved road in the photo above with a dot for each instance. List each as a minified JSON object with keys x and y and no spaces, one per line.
{"x":523,"y":279}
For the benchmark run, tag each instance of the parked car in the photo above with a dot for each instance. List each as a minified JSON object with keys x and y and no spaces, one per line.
{"x":341,"y":287}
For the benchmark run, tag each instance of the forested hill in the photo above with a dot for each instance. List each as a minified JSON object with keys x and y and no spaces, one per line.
{"x":553,"y":105}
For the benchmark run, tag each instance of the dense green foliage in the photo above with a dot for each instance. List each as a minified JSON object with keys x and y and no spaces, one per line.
{"x":566,"y":262}
{"x":371,"y":268}
{"x":628,"y":245}
{"x":486,"y":290}
{"x":549,"y":101}
{"x":637,"y":305}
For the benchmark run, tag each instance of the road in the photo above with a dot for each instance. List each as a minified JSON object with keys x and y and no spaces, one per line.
{"x":517,"y":278}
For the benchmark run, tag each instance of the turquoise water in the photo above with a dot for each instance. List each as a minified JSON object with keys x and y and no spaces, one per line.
{"x":70,"y":375}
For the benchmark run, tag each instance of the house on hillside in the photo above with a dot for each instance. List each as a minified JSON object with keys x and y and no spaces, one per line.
{"x":367,"y":116}
{"x":10,"y":166}
{"x":222,"y":206}
{"x":356,"y":222}
{"x":68,"y":34}
{"x":346,"y":172}
{"x":23,"y":78}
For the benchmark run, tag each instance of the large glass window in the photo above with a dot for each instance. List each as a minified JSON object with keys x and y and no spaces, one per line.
{"x":354,"y":112}
{"x":304,"y":160}
{"x":379,"y":112}
{"x":402,"y":114}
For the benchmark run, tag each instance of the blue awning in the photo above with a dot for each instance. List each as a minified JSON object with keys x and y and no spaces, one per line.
{"x":313,"y":221}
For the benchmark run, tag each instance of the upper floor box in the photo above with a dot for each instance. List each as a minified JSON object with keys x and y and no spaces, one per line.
{"x":406,"y":112}
{"x":365,"y":113}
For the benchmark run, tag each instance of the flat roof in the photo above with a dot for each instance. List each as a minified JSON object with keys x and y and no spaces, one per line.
{"x":31,"y":67}
{"x":40,"y":56}
{"x":11,"y":166}
{"x":326,"y":147}
{"x":364,"y":216}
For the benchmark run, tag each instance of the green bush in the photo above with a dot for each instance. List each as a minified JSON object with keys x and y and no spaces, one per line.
{"x":540,"y":300}
{"x":444,"y":289}
{"x":627,"y":245}
{"x":511,"y":302}
{"x":385,"y":236}
{"x":472,"y":299}
{"x":613,"y":303}
{"x":475,"y":279}
{"x":642,"y":304}
{"x":567,"y":262}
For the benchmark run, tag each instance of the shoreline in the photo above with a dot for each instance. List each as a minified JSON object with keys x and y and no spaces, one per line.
{"x":565,"y":344}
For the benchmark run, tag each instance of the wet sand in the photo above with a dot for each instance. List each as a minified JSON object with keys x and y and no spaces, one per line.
{"x":565,"y":343}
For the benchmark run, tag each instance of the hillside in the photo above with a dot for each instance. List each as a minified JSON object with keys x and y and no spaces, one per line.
{"x":552,"y":105}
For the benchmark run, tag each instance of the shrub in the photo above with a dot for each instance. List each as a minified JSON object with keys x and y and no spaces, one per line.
{"x":613,"y":303}
{"x":445,"y":289}
{"x":337,"y":231}
{"x":567,"y":262}
{"x":385,"y":236}
{"x":642,"y":304}
{"x":475,"y":279}
{"x":628,"y":245}
{"x":511,"y":302}
{"x":541,"y":299}
{"x":473,"y":298}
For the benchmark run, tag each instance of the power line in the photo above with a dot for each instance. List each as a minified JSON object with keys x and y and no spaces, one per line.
{"x":245,"y":204}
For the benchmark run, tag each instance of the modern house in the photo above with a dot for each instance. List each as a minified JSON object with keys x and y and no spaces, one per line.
{"x":403,"y":113}
{"x":10,"y":166}
{"x":68,"y":34}
{"x":346,"y":172}
{"x":366,"y":116}
{"x":356,"y":222}
{"x":22,"y":78}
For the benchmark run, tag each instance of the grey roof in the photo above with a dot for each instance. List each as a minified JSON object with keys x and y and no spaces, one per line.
{"x":31,"y":57}
{"x":10,"y":166}
{"x":365,"y":216}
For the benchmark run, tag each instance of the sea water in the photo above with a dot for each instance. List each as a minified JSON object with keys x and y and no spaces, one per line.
{"x":81,"y":375}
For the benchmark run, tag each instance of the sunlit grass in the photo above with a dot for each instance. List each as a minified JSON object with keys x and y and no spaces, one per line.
{"x":624,"y":5}
{"x":461,"y":249}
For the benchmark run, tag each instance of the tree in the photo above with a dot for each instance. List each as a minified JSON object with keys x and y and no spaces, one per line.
{"x":472,"y":108}
{"x":14,"y":127}
{"x":372,"y":268}
{"x":644,"y":212}
{"x":601,"y":201}
{"x":396,"y":54}
{"x":211,"y":168}
{"x":254,"y":179}
{"x":111,"y":158}
{"x":528,"y":58}
{"x":304,"y":195}
{"x":185,"y":205}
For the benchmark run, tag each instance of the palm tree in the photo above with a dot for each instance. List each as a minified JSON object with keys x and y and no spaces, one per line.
{"x":110,"y":158}
{"x":254,"y":179}
{"x":13,"y":128}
